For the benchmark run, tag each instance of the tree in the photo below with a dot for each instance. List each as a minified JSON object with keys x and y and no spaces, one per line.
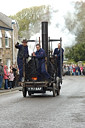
{"x":76,"y":52}
{"x":29,"y":20}
{"x":75,"y":23}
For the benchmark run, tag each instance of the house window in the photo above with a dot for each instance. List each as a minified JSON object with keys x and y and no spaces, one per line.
{"x":7,"y":42}
{"x":7,"y":37}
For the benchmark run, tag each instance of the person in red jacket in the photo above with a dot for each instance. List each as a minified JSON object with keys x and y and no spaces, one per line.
{"x":74,"y":71}
{"x":6,"y":76}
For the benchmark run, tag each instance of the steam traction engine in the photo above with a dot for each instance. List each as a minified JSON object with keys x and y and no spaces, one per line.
{"x":30,"y":83}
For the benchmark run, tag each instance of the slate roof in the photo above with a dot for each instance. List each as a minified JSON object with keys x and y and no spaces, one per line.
{"x":6,"y":20}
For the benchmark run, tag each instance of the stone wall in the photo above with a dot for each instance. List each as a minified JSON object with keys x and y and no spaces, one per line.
{"x":7,"y":53}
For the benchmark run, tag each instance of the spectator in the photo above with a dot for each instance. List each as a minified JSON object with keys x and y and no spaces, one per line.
{"x":81,"y":69}
{"x":6,"y":76}
{"x":11,"y":78}
{"x":14,"y":69}
{"x":77,"y":70}
{"x":70,"y":68}
{"x":1,"y":74}
{"x":73,"y":70}
{"x":84,"y":70}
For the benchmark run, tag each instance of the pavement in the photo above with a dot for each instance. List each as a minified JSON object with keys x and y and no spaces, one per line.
{"x":10,"y":90}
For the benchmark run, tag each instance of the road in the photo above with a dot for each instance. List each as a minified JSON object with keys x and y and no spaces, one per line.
{"x":44,"y":110}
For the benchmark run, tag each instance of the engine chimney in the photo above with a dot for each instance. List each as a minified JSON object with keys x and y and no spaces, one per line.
{"x":45,"y":37}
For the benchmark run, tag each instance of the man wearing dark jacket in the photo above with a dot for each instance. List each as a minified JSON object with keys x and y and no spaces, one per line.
{"x":58,"y":58}
{"x":40,"y":55}
{"x":22,"y":54}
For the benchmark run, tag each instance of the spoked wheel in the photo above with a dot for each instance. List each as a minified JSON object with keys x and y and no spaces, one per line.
{"x":24,"y":91}
{"x":54,"y":90}
{"x":44,"y":90}
{"x":58,"y":88}
{"x":29,"y":93}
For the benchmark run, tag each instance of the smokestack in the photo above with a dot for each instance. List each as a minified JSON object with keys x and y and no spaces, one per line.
{"x":45,"y":37}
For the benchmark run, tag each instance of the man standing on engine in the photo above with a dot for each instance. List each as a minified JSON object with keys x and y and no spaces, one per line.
{"x":22,"y":54}
{"x":58,"y":53}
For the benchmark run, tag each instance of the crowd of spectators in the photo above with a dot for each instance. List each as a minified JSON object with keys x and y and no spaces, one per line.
{"x":8,"y":78}
{"x":74,"y":69}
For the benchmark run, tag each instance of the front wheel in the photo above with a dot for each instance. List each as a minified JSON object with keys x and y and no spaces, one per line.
{"x":29,"y":93}
{"x":58,"y":89}
{"x":24,"y":91}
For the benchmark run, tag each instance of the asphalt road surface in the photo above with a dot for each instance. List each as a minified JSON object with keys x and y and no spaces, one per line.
{"x":44,"y":110}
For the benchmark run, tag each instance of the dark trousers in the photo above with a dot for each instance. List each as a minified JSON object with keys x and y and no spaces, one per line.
{"x":59,"y":68}
{"x":20,"y":66}
{"x":6,"y":84}
{"x":11,"y":84}
{"x":1,"y":80}
{"x":42,"y":73}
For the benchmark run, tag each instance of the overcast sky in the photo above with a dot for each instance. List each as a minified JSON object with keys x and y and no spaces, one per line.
{"x":11,"y":7}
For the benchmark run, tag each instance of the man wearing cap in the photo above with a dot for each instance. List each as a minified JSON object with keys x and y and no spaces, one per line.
{"x":1,"y":74}
{"x":22,"y":53}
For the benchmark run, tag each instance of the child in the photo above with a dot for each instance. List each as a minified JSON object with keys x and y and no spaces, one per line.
{"x":11,"y":78}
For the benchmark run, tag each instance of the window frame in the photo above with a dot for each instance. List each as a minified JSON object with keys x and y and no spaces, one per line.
{"x":7,"y":41}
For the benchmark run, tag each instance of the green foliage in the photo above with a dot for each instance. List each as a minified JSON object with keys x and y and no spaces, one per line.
{"x":29,"y":20}
{"x":76,"y":52}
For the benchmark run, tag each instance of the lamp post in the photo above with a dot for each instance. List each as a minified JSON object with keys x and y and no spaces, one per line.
{"x":13,"y":22}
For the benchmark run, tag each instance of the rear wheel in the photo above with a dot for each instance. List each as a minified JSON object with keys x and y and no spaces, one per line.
{"x":54,"y":91}
{"x":24,"y":91}
{"x":44,"y":90}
